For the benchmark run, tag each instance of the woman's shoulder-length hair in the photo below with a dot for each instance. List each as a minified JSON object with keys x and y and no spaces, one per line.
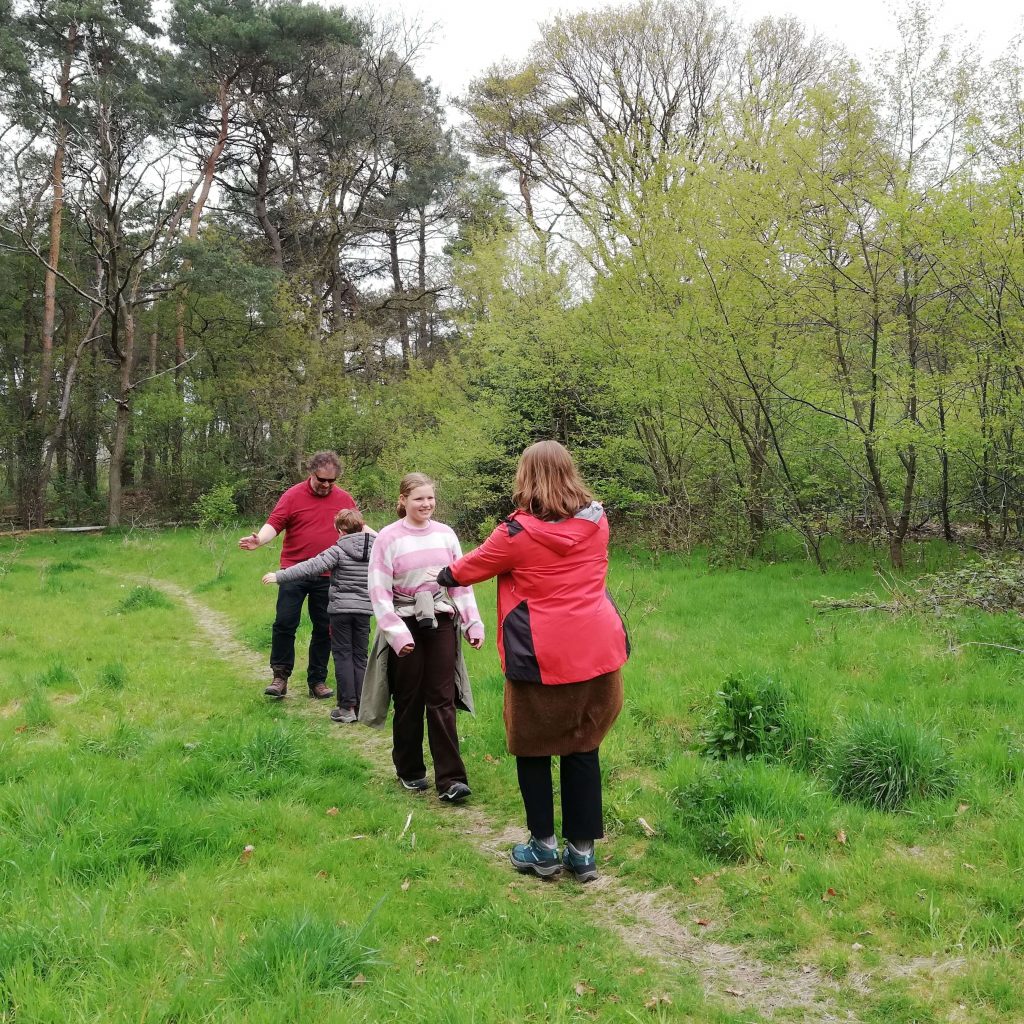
{"x":548,"y":484}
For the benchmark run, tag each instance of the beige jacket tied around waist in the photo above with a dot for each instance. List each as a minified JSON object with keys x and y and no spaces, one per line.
{"x":376,"y":698}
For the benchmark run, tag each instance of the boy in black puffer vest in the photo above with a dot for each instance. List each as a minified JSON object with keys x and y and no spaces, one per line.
{"x":348,"y":605}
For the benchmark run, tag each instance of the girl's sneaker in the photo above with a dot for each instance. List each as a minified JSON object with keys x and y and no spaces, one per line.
{"x":582,"y":865}
{"x":533,"y":856}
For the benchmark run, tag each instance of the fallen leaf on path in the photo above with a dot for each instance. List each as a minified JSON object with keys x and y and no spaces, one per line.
{"x":969,"y":867}
{"x":800,"y":837}
{"x":332,"y":811}
{"x":697,"y":880}
{"x":648,"y":830}
{"x":489,"y":759}
{"x":828,"y":894}
{"x":856,"y":946}
{"x":583,"y":989}
{"x":807,"y":969}
{"x":704,"y":922}
{"x":643,"y":970}
{"x":734,"y":992}
{"x":21,"y":728}
{"x":841,"y":837}
{"x":322,"y":874}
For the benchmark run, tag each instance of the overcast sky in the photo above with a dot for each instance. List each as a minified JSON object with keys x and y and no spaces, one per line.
{"x":473,"y":34}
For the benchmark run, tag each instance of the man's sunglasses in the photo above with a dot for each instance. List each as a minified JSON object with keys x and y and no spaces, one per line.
{"x":324,"y":480}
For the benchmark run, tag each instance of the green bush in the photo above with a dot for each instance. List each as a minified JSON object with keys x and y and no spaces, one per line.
{"x":885,"y":762}
{"x":216,"y":508}
{"x":756,"y":716}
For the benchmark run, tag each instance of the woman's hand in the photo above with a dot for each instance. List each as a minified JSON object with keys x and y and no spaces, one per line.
{"x":476,"y":642}
{"x":407,"y":649}
{"x":269,"y":577}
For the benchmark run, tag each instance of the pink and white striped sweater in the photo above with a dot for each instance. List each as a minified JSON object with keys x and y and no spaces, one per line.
{"x":404,"y":561}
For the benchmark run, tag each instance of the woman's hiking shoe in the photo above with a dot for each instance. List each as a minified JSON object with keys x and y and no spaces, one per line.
{"x":455,"y":792}
{"x":535,"y":857}
{"x":344,"y":715}
{"x":416,"y":785}
{"x":582,"y":865}
{"x":320,"y":691}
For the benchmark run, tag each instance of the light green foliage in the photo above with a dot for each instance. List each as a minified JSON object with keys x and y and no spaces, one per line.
{"x":216,"y":508}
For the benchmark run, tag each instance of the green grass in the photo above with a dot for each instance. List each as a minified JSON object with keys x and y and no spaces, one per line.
{"x":136,"y":767}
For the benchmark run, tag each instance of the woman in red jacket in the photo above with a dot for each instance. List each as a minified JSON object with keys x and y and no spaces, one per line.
{"x":562,"y":645}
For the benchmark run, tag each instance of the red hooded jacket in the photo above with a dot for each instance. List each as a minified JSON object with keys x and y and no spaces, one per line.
{"x":556,"y":620}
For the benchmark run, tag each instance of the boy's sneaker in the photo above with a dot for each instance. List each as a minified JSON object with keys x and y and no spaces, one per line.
{"x":582,"y":865}
{"x":344,"y":715}
{"x":534,"y":856}
{"x":455,"y":792}
{"x":416,"y":785}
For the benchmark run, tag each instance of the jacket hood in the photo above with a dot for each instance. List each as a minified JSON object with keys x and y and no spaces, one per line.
{"x":356,"y":545}
{"x":562,"y":535}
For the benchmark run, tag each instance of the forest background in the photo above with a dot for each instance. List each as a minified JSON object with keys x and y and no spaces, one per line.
{"x":751,"y":283}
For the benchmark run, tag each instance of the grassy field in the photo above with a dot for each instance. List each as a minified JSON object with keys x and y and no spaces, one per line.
{"x":173,"y":848}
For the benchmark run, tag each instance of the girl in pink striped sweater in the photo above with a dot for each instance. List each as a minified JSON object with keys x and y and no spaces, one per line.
{"x":418,"y":618}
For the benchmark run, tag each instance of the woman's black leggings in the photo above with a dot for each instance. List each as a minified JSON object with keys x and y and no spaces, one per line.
{"x":580,"y":774}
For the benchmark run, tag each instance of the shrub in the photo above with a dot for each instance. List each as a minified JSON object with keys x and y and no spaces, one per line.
{"x":757,"y":716}
{"x":216,"y":508}
{"x":885,"y":762}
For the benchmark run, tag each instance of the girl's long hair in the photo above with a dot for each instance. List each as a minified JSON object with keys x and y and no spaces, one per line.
{"x":548,"y":484}
{"x":409,"y":484}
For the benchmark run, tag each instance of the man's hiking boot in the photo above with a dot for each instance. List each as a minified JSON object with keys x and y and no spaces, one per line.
{"x":582,"y":865}
{"x":534,"y":856}
{"x":278,"y":688}
{"x":416,"y":785}
{"x":320,"y":691}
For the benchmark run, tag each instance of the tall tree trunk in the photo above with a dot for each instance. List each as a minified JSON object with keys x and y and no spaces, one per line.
{"x":400,"y":296}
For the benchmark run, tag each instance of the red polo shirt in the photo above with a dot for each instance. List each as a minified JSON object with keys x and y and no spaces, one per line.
{"x":307,"y":521}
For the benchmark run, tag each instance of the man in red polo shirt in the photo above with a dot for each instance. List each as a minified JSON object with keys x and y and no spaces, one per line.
{"x":306,"y":514}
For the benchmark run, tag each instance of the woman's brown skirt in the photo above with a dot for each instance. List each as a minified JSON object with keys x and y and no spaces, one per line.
{"x":570,"y":718}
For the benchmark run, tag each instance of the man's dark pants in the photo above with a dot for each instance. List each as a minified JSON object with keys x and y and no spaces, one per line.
{"x":289,"y":611}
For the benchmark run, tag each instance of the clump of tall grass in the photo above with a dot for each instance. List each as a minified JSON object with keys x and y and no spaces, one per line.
{"x":37,"y":710}
{"x":57,"y":674}
{"x":885,"y":762}
{"x":143,"y":597}
{"x":255,"y":759}
{"x":741,"y":810}
{"x":303,"y":954}
{"x":113,"y":675}
{"x":757,"y":716}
